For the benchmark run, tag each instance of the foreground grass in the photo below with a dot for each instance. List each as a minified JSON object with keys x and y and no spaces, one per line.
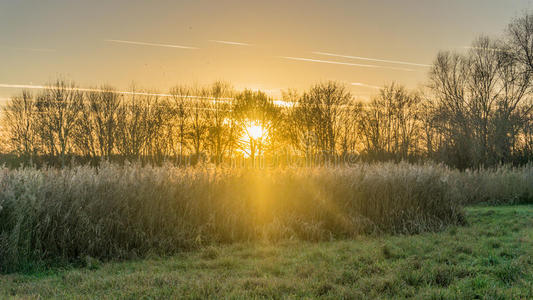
{"x":492,"y":258}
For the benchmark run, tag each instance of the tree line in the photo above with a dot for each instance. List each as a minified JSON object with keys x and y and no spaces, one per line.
{"x":476,"y":110}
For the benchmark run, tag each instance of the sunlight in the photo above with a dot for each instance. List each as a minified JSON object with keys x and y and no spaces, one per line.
{"x":255,"y":131}
{"x":254,"y":137}
{"x":282,"y":103}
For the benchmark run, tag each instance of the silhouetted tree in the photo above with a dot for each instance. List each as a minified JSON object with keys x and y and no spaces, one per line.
{"x":59,"y":109}
{"x":19,"y":119}
{"x":319,"y":113}
{"x":221,"y":126}
{"x":255,"y":110}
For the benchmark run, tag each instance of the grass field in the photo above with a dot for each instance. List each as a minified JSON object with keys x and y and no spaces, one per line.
{"x":489,"y":258}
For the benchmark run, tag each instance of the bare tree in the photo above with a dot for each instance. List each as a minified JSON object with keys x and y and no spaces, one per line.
{"x":180,"y":102}
{"x":85,"y":132}
{"x":104,"y":106}
{"x":59,"y":111}
{"x":390,"y":123}
{"x":140,"y":118}
{"x":349,"y":131}
{"x":481,"y":100}
{"x":256,"y":116}
{"x":519,"y":40}
{"x":221,"y":135}
{"x":199,"y":127}
{"x":20,"y":123}
{"x":320,"y":111}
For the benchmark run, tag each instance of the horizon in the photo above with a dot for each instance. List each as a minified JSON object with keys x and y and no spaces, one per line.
{"x":279,"y":46}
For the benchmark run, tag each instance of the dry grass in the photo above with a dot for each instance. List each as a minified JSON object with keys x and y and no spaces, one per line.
{"x":66,"y":215}
{"x":501,"y":185}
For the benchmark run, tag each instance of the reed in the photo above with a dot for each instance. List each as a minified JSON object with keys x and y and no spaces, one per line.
{"x":118,"y":212}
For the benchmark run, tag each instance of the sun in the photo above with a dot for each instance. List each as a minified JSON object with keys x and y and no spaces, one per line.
{"x":254,"y":131}
{"x":254,"y":138}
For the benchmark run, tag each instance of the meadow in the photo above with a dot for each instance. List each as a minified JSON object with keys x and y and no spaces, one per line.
{"x":490,"y":258}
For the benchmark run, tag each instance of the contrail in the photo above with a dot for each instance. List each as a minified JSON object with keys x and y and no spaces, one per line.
{"x":374,"y":59}
{"x":280,"y":103}
{"x":44,"y":87}
{"x":151,"y":44}
{"x":345,"y":63}
{"x":230,"y":43}
{"x":366,"y":85}
{"x":31,"y":49}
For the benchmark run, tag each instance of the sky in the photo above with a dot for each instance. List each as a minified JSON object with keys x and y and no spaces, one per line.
{"x":268,"y":45}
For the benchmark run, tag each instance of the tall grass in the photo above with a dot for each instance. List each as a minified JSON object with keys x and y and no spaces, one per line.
{"x":501,"y":185}
{"x":116,"y":212}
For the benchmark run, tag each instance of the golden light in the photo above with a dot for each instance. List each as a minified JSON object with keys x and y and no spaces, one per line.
{"x":254,"y":138}
{"x":282,"y":103}
{"x":255,"y":131}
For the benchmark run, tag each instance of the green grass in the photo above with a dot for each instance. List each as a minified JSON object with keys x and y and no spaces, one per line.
{"x":489,"y":258}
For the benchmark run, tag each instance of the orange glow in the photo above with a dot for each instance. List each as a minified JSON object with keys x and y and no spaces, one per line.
{"x":255,"y":132}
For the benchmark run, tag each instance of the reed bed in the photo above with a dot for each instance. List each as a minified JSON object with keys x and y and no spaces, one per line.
{"x":119,"y":212}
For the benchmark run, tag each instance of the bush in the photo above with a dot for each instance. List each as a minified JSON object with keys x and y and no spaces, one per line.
{"x":116,"y":212}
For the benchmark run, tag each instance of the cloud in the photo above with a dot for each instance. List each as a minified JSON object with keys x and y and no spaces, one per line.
{"x":366,"y":85}
{"x":374,"y":59}
{"x":230,"y":43}
{"x":219,"y":99}
{"x":150,"y":44}
{"x":21,"y":86}
{"x":345,"y":63}
{"x":44,"y":87}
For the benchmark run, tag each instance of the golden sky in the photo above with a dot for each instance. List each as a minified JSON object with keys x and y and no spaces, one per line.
{"x":269,"y":45}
